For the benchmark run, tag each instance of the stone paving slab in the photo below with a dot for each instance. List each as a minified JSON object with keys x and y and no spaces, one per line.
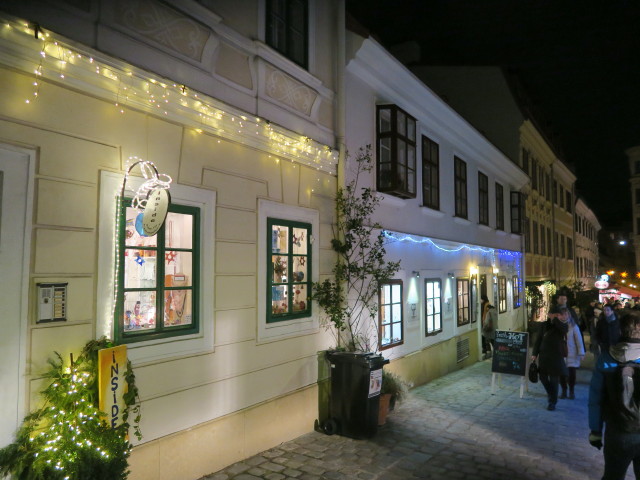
{"x":451,"y":428}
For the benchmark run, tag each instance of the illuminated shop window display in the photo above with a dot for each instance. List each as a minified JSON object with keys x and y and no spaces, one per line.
{"x":289,"y":270}
{"x":159,"y":276}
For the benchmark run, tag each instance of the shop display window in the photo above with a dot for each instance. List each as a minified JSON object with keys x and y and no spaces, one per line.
{"x":157,"y":298}
{"x":289,"y":270}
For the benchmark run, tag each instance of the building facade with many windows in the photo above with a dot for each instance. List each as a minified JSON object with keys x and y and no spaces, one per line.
{"x":452,"y":211}
{"x":550,"y":238}
{"x":236,"y":105}
{"x":587,"y":257}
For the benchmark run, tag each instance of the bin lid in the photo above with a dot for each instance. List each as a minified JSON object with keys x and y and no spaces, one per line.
{"x":374,"y":360}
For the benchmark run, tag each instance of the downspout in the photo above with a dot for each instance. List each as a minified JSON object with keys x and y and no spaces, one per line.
{"x":553,"y":222}
{"x":341,"y":107}
{"x":341,"y":104}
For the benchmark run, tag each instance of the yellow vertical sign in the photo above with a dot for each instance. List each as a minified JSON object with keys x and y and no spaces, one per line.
{"x":113,"y":385}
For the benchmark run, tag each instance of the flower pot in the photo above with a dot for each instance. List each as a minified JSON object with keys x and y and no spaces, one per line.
{"x":385,"y":399}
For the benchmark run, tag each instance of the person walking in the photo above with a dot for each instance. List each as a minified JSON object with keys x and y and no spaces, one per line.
{"x":614,"y":402}
{"x":607,"y":330}
{"x":484,"y":309}
{"x":575,"y":354}
{"x":490,"y":326}
{"x":550,"y":347}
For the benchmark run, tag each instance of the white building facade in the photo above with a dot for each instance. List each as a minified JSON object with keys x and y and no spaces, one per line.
{"x":452,"y":210}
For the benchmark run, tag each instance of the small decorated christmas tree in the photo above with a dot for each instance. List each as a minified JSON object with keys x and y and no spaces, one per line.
{"x":68,"y":438}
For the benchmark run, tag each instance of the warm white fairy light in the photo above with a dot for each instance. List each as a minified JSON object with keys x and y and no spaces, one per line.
{"x":60,"y":62}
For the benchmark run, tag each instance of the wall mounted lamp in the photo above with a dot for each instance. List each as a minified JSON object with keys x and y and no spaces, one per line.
{"x":416,"y":274}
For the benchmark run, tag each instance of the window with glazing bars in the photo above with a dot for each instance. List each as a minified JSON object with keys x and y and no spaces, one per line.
{"x":396,"y":152}
{"x":433,"y":306}
{"x":288,"y":270}
{"x":483,"y":199}
{"x":462,"y":297}
{"x":430,"y":173}
{"x":502,"y":294}
{"x":460,"y":179}
{"x":499,"y":207}
{"x":158,"y":276}
{"x":287,"y":29}
{"x":390,"y":300}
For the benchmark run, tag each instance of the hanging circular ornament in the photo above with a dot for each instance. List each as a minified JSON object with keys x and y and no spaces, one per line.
{"x":155,"y":211}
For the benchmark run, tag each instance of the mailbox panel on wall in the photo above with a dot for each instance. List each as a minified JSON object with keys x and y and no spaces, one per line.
{"x":52,"y":302}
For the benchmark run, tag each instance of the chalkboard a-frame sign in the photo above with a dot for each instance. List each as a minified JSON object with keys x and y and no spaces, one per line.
{"x":510,"y":353}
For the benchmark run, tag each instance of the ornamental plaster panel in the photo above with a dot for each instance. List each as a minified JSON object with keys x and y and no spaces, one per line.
{"x":287,"y":90}
{"x":161,"y":24}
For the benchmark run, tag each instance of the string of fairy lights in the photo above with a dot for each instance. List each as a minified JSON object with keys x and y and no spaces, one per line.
{"x":131,"y":88}
{"x":510,"y":255}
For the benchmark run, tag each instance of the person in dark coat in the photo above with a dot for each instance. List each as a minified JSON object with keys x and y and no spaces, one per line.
{"x":550,"y":348}
{"x":607,"y":329}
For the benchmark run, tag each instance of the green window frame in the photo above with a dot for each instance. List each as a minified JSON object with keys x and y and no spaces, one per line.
{"x":390,"y":314}
{"x":171,"y":286}
{"x":289,"y":272}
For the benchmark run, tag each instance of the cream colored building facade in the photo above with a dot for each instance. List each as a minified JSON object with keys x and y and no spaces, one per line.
{"x":587,"y":256}
{"x":633,"y":155}
{"x":246,"y":135}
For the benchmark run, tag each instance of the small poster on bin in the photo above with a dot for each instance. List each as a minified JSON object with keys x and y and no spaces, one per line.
{"x":375,"y":382}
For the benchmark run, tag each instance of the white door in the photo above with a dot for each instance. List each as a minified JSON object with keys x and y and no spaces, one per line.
{"x":15,"y":190}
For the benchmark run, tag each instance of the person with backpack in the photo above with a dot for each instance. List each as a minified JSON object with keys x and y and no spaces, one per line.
{"x":614,"y":402}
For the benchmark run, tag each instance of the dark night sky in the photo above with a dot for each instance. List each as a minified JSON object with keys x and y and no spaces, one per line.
{"x":579,"y":62}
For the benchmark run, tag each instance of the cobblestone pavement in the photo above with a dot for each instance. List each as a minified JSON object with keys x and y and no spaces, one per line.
{"x":451,"y":428}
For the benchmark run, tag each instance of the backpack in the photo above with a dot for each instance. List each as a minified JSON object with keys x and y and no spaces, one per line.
{"x":622,"y":398}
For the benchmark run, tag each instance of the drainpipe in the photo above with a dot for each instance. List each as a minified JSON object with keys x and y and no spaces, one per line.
{"x":341,"y":107}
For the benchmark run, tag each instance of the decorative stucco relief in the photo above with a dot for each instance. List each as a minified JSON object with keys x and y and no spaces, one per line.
{"x":163,"y":25}
{"x":285,"y":89}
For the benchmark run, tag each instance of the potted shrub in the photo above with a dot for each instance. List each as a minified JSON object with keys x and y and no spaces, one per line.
{"x":393,"y":390}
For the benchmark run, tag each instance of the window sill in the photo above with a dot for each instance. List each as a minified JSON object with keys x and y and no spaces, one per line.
{"x":484,"y":227}
{"x":392,"y":201}
{"x":501,"y":232}
{"x":461,"y":221}
{"x":430,"y":212}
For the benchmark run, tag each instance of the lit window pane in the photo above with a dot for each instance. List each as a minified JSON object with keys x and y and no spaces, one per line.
{"x":279,"y":239}
{"x":300,"y":298}
{"x":139,"y":268}
{"x":279,"y":300}
{"x":397,"y":313}
{"x":177,"y":308}
{"x":280,"y":268}
{"x":300,"y":241}
{"x":396,"y":293}
{"x":299,"y":269}
{"x":139,"y":311}
{"x":177,"y":268}
{"x":179,"y":230}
